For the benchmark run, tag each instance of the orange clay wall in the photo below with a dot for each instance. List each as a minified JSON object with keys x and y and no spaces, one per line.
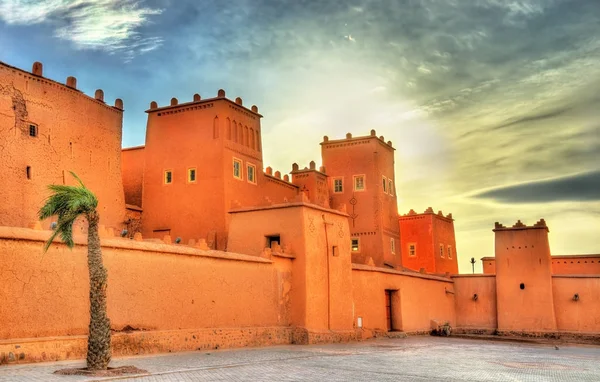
{"x":132,"y":167}
{"x":418,"y":299}
{"x":583,"y":314}
{"x":373,"y":213}
{"x":320,"y":297}
{"x":417,"y":230}
{"x":471,"y":312}
{"x":444,"y":238}
{"x":151,"y":287}
{"x":489,"y":265}
{"x":75,"y":132}
{"x":428,"y":231}
{"x":561,"y":265}
{"x":523,"y":258}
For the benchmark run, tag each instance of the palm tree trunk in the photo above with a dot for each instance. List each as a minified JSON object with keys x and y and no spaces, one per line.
{"x":99,"y":351}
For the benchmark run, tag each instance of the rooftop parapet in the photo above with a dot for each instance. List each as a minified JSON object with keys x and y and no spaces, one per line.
{"x":541,"y":224}
{"x":37,"y":69}
{"x":312,"y":166}
{"x":196,"y":98}
{"x":428,"y":211}
{"x":349,"y":137}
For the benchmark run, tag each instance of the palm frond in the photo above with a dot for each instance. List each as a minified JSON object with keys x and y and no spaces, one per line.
{"x":67,"y":203}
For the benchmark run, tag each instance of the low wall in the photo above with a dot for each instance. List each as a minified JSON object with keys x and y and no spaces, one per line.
{"x":152,"y":287}
{"x":583,"y":314}
{"x":479,"y":313}
{"x":417,"y":299}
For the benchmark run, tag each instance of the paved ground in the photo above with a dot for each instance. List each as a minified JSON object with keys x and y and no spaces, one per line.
{"x":409,"y":359}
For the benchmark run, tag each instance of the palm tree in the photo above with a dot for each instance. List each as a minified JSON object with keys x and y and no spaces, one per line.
{"x":68,"y":203}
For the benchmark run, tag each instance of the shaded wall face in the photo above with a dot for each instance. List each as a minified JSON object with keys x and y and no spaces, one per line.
{"x":581,"y":313}
{"x":314,"y":185}
{"x":179,"y":142}
{"x":321,"y":274}
{"x":523,"y":281}
{"x":73,"y":133}
{"x":415,"y":301}
{"x":418,"y":231}
{"x":489,"y":266}
{"x":132,"y":168}
{"x":444,"y":246}
{"x":475,"y":312}
{"x":146,"y":289}
{"x":373,"y":213}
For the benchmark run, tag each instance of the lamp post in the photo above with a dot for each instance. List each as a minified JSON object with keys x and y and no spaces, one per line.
{"x":473,"y":264}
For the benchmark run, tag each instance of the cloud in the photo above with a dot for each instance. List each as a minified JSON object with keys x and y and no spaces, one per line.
{"x":578,"y":187}
{"x":109,"y":25}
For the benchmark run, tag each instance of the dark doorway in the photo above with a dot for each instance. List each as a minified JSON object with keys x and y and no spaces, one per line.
{"x":388,"y":309}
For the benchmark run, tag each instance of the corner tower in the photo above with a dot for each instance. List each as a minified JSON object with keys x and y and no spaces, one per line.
{"x":361,"y":175}
{"x":524,"y":278}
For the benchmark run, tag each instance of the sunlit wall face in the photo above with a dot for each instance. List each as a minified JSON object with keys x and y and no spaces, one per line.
{"x":477,"y":96}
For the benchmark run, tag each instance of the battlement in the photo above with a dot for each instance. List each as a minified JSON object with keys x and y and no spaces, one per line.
{"x":198,"y":102}
{"x":428,"y":211}
{"x":312,"y":167}
{"x":70,"y":84}
{"x":350,"y":140}
{"x":541,"y":224}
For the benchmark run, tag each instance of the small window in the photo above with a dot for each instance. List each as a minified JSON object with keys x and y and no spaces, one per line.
{"x":237,"y":168}
{"x":390,"y":187}
{"x":442,"y":251}
{"x":449,"y":252}
{"x":335,"y":251}
{"x":33,"y":131}
{"x":272,"y":239}
{"x":168,"y":177}
{"x":393,"y":245}
{"x":359,"y":182}
{"x":28,"y":172}
{"x":384,"y":182}
{"x":191,"y":175}
{"x":251,"y":173}
{"x":355,"y":244}
{"x":412,"y":250}
{"x":338,"y":185}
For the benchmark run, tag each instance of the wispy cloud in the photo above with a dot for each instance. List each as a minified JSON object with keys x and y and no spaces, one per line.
{"x":577,"y":187}
{"x":109,"y":25}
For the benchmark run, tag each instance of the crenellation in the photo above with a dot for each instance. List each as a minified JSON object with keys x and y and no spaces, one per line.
{"x":119,"y":103}
{"x":221,"y":93}
{"x":239,"y":101}
{"x":153,"y":105}
{"x":99,"y":95}
{"x":37,"y":69}
{"x":174,"y":101}
{"x":72,"y":82}
{"x":197,"y":97}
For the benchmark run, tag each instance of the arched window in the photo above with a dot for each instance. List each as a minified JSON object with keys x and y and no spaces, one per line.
{"x":216,"y":128}
{"x":228,"y":127}
{"x":235,"y":132}
{"x":257,"y":140}
{"x":240,"y":134}
{"x":252,"y":139}
{"x":246,"y":138}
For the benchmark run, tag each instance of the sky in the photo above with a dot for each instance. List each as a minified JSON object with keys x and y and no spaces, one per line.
{"x":493,"y":105}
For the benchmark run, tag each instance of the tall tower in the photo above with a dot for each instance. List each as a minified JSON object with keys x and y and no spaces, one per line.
{"x":524,"y":278}
{"x":361,"y":175}
{"x":201,"y":157}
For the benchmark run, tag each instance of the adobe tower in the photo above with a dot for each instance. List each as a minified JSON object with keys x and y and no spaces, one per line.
{"x":361,"y":175}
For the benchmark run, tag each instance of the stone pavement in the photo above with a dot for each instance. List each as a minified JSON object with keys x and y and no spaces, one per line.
{"x":410,"y":359}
